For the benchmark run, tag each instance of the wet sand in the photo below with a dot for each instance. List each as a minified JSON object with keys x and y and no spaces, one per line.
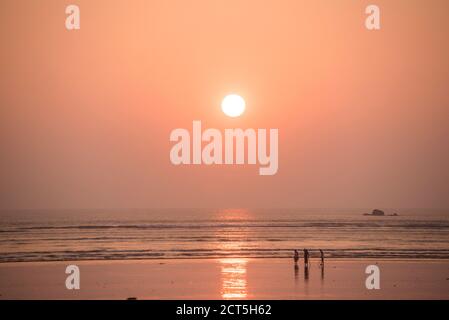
{"x":231,"y":278}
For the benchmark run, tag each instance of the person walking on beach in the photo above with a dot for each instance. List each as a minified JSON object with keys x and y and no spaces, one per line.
{"x":296,"y":256}
{"x":322,"y":258}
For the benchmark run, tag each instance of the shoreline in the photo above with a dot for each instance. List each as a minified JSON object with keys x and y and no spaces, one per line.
{"x":313,"y":260}
{"x":225,"y":278}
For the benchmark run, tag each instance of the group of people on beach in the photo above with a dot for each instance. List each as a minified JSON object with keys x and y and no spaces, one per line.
{"x":306,"y":257}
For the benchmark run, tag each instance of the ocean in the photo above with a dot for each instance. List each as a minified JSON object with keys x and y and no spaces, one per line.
{"x":209,"y":233}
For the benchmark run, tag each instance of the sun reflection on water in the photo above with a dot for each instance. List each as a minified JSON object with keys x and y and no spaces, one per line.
{"x":234,"y":239}
{"x":233,"y":274}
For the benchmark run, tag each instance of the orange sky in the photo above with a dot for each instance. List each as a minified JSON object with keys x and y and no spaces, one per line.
{"x":85,"y":116}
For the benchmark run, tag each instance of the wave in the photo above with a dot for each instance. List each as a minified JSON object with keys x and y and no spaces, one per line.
{"x":246,"y":224}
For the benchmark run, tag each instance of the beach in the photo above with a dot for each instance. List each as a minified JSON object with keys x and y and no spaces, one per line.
{"x":227,"y":278}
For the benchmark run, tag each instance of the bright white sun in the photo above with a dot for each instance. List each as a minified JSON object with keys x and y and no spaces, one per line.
{"x":233,"y":105}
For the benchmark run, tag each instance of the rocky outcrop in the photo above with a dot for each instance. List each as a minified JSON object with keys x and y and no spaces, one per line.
{"x":380,"y":213}
{"x":376,"y":212}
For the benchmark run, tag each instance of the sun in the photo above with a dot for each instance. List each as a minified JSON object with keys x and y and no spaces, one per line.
{"x":233,"y":105}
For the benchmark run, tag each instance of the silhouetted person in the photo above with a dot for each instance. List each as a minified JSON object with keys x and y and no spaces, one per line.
{"x":322,"y":258}
{"x":296,"y":256}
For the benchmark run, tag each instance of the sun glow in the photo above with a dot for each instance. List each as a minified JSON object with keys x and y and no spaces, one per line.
{"x":233,"y":105}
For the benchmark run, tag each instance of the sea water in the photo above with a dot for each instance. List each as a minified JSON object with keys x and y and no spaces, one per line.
{"x":216,"y":233}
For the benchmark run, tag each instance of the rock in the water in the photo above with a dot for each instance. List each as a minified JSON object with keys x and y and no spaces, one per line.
{"x":377,"y":212}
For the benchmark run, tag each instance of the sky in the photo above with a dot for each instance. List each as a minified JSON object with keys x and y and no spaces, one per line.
{"x":86,"y":115}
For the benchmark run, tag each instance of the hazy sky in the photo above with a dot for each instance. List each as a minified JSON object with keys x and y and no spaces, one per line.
{"x":85,"y":116}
